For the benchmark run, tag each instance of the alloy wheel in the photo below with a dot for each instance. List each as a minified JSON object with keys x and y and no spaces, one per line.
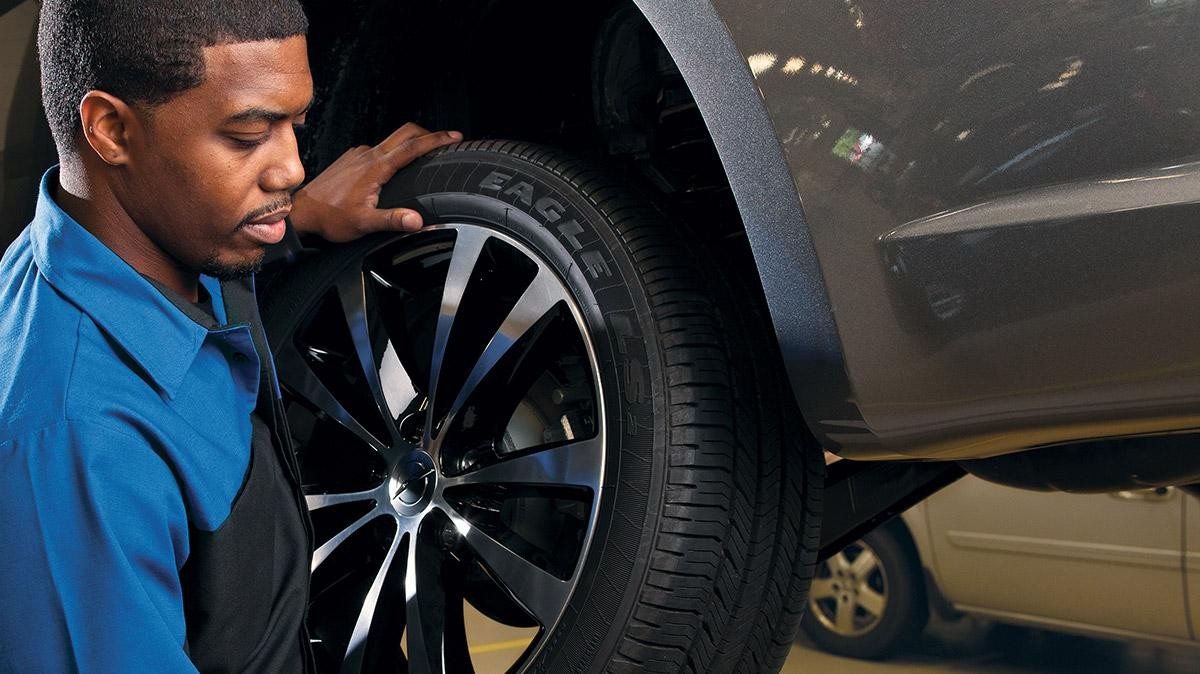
{"x":850,"y":591}
{"x":445,"y":399}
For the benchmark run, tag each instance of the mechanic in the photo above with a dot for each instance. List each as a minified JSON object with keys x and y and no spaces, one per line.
{"x":151,"y":511}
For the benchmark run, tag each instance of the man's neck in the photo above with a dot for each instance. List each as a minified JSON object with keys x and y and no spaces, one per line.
{"x":95,"y":207}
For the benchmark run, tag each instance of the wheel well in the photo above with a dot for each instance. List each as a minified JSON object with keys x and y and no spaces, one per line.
{"x":923,"y":577}
{"x":590,"y":78}
{"x":927,"y":576}
{"x":904,"y":534}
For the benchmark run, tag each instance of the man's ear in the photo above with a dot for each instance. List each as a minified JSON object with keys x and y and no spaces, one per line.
{"x":107,"y":121}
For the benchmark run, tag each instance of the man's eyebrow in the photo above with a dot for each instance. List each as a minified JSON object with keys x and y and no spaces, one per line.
{"x":250,"y":115}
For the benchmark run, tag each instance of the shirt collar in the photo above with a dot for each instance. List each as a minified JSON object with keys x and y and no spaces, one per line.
{"x":160,"y":338}
{"x":202,"y":312}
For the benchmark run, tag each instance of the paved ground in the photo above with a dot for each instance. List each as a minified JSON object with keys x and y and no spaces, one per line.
{"x":962,"y":646}
{"x":985,"y":648}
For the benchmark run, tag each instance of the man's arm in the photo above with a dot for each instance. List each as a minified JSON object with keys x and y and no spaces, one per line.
{"x":95,"y":531}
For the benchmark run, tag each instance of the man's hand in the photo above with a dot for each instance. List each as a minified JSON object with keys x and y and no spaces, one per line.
{"x":342,"y":203}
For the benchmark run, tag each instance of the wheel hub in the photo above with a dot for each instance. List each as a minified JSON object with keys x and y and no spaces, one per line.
{"x":412,"y":482}
{"x":850,"y":591}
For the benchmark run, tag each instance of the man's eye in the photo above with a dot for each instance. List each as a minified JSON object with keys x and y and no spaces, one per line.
{"x":247,"y":143}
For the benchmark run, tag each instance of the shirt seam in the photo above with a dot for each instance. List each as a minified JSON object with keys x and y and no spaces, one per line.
{"x":68,"y":422}
{"x":68,"y":394}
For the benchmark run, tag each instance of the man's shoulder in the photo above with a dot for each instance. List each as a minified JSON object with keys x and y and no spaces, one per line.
{"x":38,"y":339}
{"x":53,"y":357}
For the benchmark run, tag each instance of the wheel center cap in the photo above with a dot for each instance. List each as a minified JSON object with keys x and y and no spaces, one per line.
{"x":412,"y":481}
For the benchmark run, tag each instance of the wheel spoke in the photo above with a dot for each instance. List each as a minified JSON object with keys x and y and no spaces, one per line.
{"x":305,"y":383}
{"x":542,"y":594}
{"x":398,"y":388}
{"x":537,"y":300}
{"x":322,"y":553}
{"x":467,"y":247}
{"x":437,"y":641}
{"x":318,"y":501}
{"x":864,"y":564}
{"x":576,"y":463}
{"x":839,"y":562}
{"x":356,"y":649}
{"x":845,"y":617}
{"x":822,"y":588}
{"x":353,"y":293}
{"x":871,"y":601}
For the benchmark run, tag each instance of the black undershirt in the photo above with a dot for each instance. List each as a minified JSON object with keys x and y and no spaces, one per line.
{"x":245,"y":585}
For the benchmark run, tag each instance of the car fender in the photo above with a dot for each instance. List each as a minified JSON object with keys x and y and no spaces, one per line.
{"x":723,"y":87}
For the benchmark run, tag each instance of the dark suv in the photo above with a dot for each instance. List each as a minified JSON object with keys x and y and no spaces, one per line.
{"x":591,"y":399}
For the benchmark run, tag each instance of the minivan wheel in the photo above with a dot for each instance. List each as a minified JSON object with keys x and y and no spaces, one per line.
{"x":868,"y":600}
{"x":542,"y":405}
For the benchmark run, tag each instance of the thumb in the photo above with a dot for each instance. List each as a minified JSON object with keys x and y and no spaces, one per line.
{"x":394,"y":219}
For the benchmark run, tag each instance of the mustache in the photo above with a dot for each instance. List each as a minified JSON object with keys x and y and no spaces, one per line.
{"x":277,"y":205}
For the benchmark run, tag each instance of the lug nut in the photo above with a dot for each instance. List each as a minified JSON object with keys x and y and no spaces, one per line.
{"x":448,"y":536}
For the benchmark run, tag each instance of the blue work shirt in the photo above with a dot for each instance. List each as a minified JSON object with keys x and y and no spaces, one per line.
{"x":125,"y":426}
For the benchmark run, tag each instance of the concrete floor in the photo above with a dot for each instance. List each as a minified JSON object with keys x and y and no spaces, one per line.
{"x":986,"y":648}
{"x":962,"y":646}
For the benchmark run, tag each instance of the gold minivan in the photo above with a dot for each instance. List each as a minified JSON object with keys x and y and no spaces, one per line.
{"x":1123,"y":565}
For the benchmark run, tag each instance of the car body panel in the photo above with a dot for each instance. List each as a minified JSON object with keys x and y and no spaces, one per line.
{"x":961,"y":168}
{"x":916,"y":520}
{"x":1102,"y":563}
{"x":1191,"y":565}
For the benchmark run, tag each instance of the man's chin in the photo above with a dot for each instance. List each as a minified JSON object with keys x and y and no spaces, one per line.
{"x":230,"y":271}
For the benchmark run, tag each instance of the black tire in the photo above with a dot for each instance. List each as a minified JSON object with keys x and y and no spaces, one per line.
{"x":706,"y":530}
{"x":899,"y":580}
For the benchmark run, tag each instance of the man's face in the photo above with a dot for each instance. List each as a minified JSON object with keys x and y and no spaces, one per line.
{"x":210,"y":180}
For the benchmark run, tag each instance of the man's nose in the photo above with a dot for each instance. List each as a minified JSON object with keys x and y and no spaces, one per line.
{"x":285,"y":172}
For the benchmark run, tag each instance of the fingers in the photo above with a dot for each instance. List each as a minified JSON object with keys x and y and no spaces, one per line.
{"x":400,"y":136}
{"x":410,"y":142}
{"x":415,"y":147}
{"x":408,"y":133}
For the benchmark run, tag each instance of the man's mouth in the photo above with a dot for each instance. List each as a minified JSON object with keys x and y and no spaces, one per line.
{"x":271,"y":218}
{"x":268,"y":229}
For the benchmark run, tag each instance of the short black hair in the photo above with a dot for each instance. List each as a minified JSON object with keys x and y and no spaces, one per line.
{"x":142,"y":51}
